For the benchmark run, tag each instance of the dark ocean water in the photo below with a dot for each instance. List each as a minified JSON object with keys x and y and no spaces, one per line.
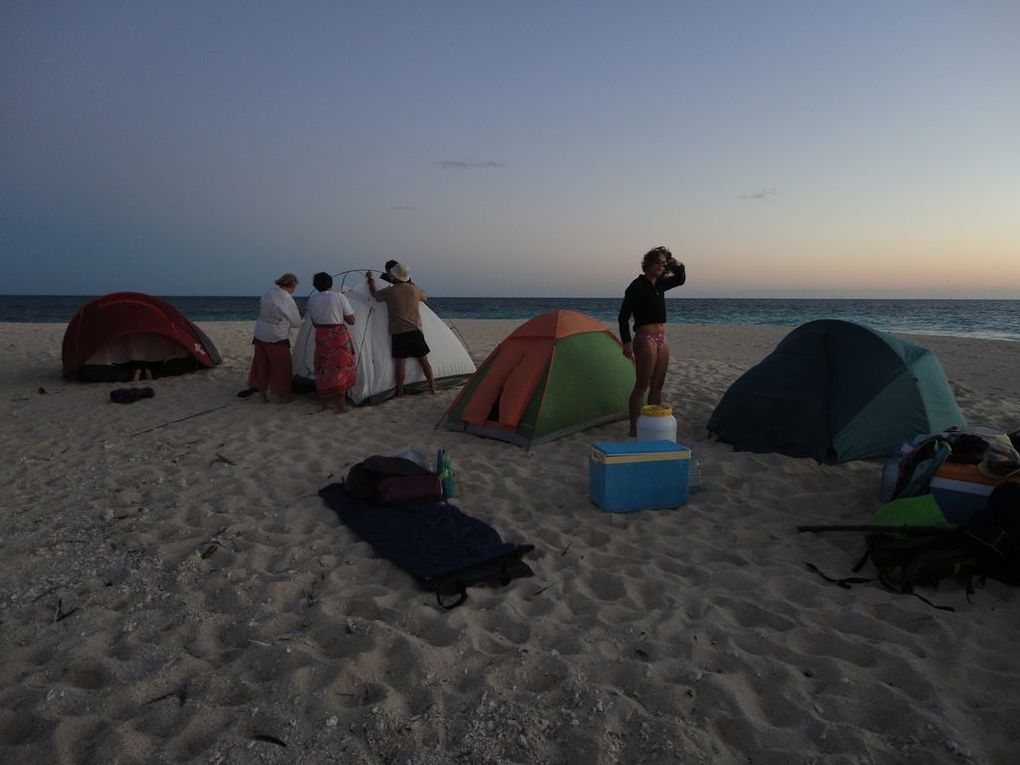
{"x":991,"y":319}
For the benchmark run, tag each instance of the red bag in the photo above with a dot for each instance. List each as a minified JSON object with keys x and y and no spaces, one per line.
{"x":408,"y":490}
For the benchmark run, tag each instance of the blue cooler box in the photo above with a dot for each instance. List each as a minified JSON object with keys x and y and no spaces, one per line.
{"x":963,"y":493}
{"x":624,"y":476}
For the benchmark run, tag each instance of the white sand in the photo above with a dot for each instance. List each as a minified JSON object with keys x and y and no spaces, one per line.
{"x":209,"y":597}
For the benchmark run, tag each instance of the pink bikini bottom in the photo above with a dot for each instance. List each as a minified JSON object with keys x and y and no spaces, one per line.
{"x":659,"y":338}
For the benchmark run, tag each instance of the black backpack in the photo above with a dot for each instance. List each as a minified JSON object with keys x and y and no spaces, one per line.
{"x":908,"y":557}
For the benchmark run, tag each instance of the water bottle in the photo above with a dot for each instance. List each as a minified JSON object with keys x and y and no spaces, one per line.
{"x":695,"y":482}
{"x":656,"y":423}
{"x":444,"y":469}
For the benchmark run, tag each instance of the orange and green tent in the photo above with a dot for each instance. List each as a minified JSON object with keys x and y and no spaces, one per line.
{"x":557,"y":373}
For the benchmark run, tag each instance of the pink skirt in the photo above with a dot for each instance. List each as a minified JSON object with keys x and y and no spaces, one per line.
{"x":335,"y":366}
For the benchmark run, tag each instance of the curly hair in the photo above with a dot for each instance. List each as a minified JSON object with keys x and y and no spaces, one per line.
{"x":653,"y":253}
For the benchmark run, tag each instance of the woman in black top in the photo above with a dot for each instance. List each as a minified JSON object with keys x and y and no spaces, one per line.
{"x":645,"y":300}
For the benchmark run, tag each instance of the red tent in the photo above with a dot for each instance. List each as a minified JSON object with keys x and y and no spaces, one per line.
{"x":113,"y":335}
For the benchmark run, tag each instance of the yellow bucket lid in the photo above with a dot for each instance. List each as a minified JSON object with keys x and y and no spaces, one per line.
{"x":657,"y":410}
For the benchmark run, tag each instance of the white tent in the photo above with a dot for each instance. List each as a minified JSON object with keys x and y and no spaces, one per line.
{"x":450,"y":360}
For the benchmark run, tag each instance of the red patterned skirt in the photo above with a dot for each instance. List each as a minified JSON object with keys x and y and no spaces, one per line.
{"x":335,"y":365}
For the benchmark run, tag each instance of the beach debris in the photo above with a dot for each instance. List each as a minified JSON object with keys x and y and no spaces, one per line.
{"x":61,"y":614}
{"x":43,"y":594}
{"x":332,"y":722}
{"x":181,"y":694}
{"x":221,"y":458}
{"x":958,"y":750}
{"x":216,"y":541}
{"x":139,"y":511}
{"x":216,"y":544}
{"x":269,"y":739}
{"x":42,"y":391}
{"x":539,"y":592}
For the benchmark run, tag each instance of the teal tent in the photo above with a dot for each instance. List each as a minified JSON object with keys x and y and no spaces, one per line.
{"x":836,"y":391}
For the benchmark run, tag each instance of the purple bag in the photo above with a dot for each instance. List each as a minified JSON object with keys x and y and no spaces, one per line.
{"x":408,"y":490}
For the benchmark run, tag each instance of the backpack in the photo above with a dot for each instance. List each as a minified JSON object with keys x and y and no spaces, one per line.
{"x":907,"y":557}
{"x":392,"y":481}
{"x":909,"y":472}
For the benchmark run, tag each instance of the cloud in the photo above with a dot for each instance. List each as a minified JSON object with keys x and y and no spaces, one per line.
{"x":762,"y":194}
{"x":460,"y":164}
{"x":402,"y":208}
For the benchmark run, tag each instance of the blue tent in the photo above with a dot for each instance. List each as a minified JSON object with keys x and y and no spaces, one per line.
{"x":836,"y":391}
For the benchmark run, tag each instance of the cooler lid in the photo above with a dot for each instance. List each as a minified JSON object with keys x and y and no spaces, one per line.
{"x":970,"y":473}
{"x":639,"y":451}
{"x":638,"y":447}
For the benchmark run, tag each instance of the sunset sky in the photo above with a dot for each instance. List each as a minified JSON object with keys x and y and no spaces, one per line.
{"x":859,"y":149}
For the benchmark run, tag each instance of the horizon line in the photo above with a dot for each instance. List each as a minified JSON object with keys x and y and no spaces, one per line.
{"x":792,"y":296}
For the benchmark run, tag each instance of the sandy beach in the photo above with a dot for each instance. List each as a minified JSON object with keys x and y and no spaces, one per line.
{"x":173,"y":589}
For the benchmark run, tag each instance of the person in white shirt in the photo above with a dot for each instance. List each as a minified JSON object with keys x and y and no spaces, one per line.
{"x":271,"y":365}
{"x":335,"y":365}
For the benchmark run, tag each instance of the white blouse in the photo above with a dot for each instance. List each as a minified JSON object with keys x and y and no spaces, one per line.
{"x":329,"y":308}
{"x":277,"y":314}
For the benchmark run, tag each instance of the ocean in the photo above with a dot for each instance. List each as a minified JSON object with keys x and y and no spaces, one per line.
{"x":988,"y":319}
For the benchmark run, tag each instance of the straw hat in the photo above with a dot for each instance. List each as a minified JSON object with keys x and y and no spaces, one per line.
{"x":400,"y":272}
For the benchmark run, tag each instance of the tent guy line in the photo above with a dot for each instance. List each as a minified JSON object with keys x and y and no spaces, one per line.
{"x":181,"y":419}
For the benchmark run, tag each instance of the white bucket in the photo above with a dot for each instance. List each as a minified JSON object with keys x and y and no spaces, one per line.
{"x":656,"y":423}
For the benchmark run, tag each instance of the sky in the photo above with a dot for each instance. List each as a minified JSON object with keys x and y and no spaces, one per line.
{"x":517,"y":148}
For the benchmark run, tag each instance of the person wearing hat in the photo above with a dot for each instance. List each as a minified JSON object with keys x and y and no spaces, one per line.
{"x":385,"y":276}
{"x":271,"y":364}
{"x":402,"y":300}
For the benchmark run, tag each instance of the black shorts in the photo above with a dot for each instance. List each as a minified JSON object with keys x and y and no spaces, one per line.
{"x":409,"y":345}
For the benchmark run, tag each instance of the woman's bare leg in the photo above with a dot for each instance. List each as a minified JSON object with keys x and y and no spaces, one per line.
{"x":645,"y":355}
{"x":658,"y":380}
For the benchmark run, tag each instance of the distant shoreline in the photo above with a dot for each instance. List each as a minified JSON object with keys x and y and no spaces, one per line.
{"x":970,"y":318}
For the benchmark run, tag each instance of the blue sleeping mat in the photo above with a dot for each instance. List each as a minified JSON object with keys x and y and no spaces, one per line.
{"x":444,"y":549}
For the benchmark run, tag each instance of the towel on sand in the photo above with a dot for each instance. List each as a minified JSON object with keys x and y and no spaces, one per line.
{"x":444,"y":549}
